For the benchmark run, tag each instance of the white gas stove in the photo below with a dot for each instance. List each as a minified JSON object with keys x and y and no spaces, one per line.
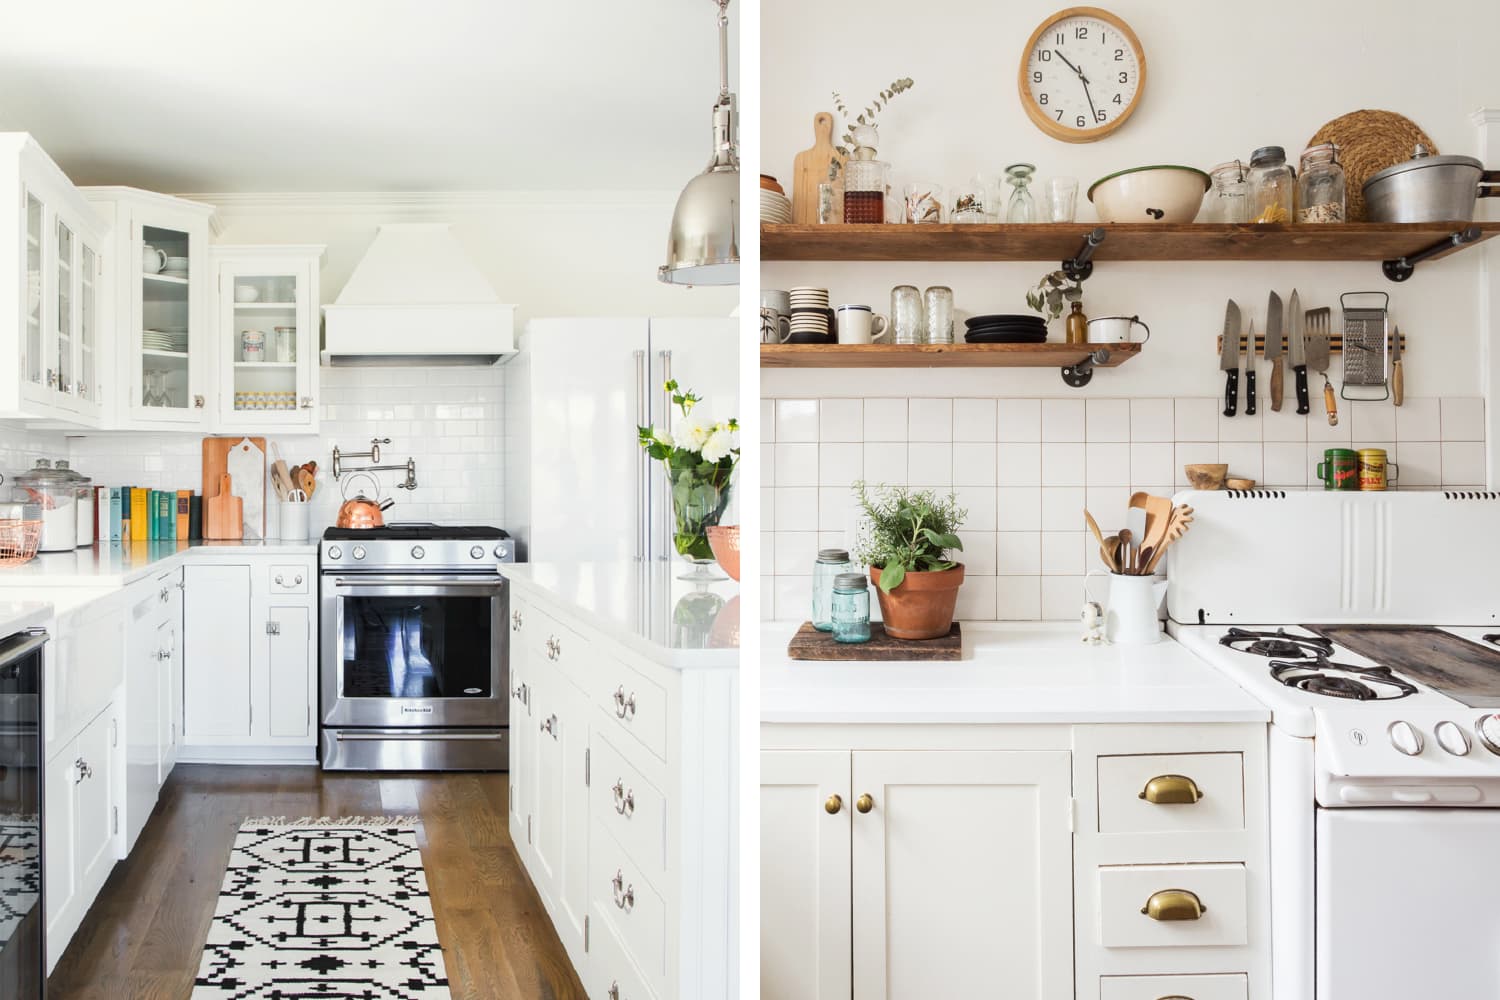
{"x":1369,"y":624}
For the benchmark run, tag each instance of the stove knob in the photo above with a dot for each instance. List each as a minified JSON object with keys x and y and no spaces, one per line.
{"x":499,"y":551}
{"x":335,"y":553}
{"x":359,"y":552}
{"x":1406,"y":737}
{"x":1488,"y":728}
{"x":1452,"y":738}
{"x":418,"y":552}
{"x":477,"y":552}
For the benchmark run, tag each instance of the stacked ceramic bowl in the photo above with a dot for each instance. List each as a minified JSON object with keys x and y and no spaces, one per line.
{"x":775,"y":206}
{"x":812,"y":320}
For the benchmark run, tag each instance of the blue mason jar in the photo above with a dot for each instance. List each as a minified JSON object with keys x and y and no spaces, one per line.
{"x":831,"y":562}
{"x":851,"y":608}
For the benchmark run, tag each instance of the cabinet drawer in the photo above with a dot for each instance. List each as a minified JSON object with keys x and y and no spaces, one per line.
{"x":624,"y":902}
{"x":629,"y":808}
{"x":1172,"y":793}
{"x":1232,"y":987}
{"x":638,"y":705}
{"x":289,"y":579}
{"x":554,"y":645}
{"x":1126,"y":892}
{"x":611,"y":974}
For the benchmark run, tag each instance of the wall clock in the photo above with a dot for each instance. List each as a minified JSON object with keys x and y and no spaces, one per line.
{"x":1082,"y":74}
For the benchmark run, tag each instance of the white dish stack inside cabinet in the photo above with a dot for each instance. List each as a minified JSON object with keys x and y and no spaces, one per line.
{"x":159,"y":300}
{"x":54,"y":252}
{"x":266,"y":328}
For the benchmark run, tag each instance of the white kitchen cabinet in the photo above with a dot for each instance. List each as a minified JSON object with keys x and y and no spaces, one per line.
{"x":82,"y":820}
{"x":217,"y":649}
{"x":152,"y":676}
{"x":266,"y":337}
{"x":523,"y":732}
{"x":160,"y":315}
{"x":56,"y":252}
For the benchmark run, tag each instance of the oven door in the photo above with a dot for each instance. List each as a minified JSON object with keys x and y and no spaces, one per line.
{"x":408,"y":651}
{"x":1405,"y":905}
{"x":22,"y":930}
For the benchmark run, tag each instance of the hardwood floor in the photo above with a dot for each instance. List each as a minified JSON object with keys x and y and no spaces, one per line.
{"x":144,"y":936}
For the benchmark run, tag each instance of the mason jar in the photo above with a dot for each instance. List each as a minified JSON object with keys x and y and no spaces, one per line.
{"x":851,"y":608}
{"x":1273,"y":186}
{"x":1228,"y":195}
{"x":831,"y":562}
{"x":1322,"y":193}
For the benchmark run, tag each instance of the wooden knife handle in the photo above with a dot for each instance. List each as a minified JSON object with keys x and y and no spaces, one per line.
{"x":1331,"y":403}
{"x":1398,"y":383}
{"x":1278,"y":378}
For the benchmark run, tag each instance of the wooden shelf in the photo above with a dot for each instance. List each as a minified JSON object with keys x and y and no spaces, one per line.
{"x":1372,"y":241}
{"x":940,"y":355}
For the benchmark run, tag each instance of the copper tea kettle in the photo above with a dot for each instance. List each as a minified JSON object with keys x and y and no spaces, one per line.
{"x":360,"y":511}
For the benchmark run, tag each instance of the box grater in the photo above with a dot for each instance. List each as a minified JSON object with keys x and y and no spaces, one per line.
{"x":1366,"y":343}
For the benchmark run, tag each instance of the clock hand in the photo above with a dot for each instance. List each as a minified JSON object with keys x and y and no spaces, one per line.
{"x":1071,"y":66}
{"x":1085,"y":81}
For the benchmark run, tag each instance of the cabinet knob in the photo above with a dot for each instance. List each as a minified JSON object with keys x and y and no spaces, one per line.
{"x":515,"y":621}
{"x":297,"y":579}
{"x":624,"y":799}
{"x":1174,"y":904}
{"x":864,"y":803}
{"x":279,"y":581}
{"x":624,"y":707}
{"x":624,"y":895}
{"x":614,"y":991}
{"x":197,"y":402}
{"x":307,"y":402}
{"x":1171,"y":789}
{"x":833,"y":804}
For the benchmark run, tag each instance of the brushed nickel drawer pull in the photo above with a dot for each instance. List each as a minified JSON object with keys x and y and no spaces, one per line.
{"x":624,"y":799}
{"x":624,"y":706}
{"x":624,"y":895}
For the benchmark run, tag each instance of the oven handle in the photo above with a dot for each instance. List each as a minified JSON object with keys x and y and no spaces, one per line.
{"x":485,"y":583}
{"x":356,"y":737}
{"x":19,"y":645}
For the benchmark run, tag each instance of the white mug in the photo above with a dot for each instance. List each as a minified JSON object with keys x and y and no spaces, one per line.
{"x":859,"y":325}
{"x":1115,"y":329}
{"x":1132,"y":613}
{"x":152,"y":259}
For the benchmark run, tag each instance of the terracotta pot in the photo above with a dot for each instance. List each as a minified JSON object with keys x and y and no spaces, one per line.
{"x":922,"y":607}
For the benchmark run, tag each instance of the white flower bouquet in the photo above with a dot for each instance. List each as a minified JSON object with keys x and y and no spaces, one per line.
{"x":699,"y":455}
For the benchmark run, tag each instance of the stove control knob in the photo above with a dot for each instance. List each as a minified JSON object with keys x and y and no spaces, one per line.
{"x":1406,"y":737}
{"x":499,"y":551}
{"x":335,"y":553}
{"x":359,"y":552}
{"x":418,"y":552}
{"x":1452,"y":738}
{"x":477,"y":552}
{"x":1488,"y":728}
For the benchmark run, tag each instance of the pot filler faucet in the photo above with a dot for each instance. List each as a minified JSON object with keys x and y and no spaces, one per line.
{"x":374,"y":456}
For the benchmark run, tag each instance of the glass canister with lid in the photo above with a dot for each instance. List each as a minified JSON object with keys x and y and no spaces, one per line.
{"x":1322,"y":194}
{"x":851,"y":608}
{"x":84,"y":506}
{"x":56,"y":494}
{"x":831,"y":563}
{"x":1273,"y":186}
{"x":1229,"y":194}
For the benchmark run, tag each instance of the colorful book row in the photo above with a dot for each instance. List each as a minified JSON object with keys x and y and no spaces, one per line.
{"x":138,"y":514}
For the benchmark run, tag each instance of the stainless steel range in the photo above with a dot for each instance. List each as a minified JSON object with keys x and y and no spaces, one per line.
{"x":413,"y":653}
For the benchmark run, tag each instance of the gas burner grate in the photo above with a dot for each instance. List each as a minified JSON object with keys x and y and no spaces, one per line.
{"x":1280,"y":644}
{"x":1341,"y":680}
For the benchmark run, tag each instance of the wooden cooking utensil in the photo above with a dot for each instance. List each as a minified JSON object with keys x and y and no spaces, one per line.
{"x":223,"y":515}
{"x":1181,"y":518}
{"x":1158,"y":513}
{"x":1110,"y":553}
{"x":810,"y":168}
{"x":281,"y":478}
{"x":1093,"y":525}
{"x":305,"y":482}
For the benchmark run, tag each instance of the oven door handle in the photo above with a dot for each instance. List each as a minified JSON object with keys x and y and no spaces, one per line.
{"x":482,"y":583}
{"x":19,"y":645}
{"x":385,"y":734}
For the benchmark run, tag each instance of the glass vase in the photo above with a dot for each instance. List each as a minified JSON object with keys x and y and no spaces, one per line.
{"x":700,"y":494}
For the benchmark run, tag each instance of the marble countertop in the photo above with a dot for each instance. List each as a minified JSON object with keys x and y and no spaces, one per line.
{"x":645,"y":607}
{"x":119,"y":563}
{"x":1024,"y":672}
{"x":16,"y":615}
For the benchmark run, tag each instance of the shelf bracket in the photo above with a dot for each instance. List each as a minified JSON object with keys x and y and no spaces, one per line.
{"x":1080,"y":267}
{"x":1082,"y":373}
{"x":1402,"y":268}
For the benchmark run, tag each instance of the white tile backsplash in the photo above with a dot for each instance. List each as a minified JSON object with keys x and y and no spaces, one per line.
{"x":1024,"y":469}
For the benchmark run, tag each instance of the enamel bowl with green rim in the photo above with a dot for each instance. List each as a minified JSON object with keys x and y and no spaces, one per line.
{"x":1160,"y":193}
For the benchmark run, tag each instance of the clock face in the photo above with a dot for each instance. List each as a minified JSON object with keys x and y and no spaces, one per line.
{"x":1082,"y":75}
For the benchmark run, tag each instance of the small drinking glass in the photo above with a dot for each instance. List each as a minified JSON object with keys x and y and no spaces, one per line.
{"x":937,"y":304}
{"x":923,"y":203}
{"x":1022,"y":207}
{"x":906,"y":314}
{"x":1062,"y":199}
{"x":968,"y":205}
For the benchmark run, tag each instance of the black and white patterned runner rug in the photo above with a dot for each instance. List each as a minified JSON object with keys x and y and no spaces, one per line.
{"x":324,"y":908}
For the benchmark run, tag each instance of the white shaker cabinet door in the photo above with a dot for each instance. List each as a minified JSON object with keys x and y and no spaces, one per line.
{"x":217,"y":644}
{"x":804,"y":889}
{"x":290,"y":666}
{"x":963,"y":883}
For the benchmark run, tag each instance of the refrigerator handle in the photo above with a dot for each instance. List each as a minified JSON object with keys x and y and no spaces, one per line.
{"x":643,"y":460}
{"x":665,"y":514}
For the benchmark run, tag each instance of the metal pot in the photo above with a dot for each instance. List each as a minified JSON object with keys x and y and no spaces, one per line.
{"x":1429,"y":188}
{"x":359,"y":511}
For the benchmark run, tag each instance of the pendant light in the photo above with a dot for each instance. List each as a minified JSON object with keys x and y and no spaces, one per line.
{"x":703,"y":247}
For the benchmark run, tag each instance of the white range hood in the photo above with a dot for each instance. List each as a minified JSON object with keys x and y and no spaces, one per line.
{"x":417,"y":299}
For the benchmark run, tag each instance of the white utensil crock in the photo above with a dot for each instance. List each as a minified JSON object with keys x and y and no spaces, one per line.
{"x":1132,"y":613}
{"x":1116,"y":330}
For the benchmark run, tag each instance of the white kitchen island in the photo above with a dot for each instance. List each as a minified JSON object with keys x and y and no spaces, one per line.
{"x":1067,"y":820}
{"x":623,"y":771}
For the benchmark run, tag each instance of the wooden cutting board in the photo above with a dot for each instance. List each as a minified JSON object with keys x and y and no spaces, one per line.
{"x":810,"y":644}
{"x":216,"y":451}
{"x":810,"y":169}
{"x":223,"y":512}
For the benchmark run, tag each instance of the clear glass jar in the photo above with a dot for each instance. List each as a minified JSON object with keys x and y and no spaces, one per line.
{"x":851,"y":608}
{"x":1229,"y":194}
{"x":1273,"y":186}
{"x":937,"y":312}
{"x":831,"y":562}
{"x":1322,"y":194}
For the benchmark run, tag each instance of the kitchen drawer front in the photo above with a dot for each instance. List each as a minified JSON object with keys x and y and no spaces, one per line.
{"x":611,"y":974}
{"x":1125,"y":892}
{"x":638,"y":705}
{"x":629,"y":808}
{"x":289,"y":579}
{"x":626,"y":903}
{"x":554,"y":645}
{"x":1231,"y":987}
{"x":1125,"y":801}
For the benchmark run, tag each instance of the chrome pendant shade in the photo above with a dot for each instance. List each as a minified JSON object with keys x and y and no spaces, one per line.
{"x":703,"y":247}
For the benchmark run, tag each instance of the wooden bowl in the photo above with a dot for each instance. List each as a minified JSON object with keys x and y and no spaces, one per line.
{"x":1238,"y":483}
{"x":769,"y":183}
{"x":1207,"y":476}
{"x":725,"y":542}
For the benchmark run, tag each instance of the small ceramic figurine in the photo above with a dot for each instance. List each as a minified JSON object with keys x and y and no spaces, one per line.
{"x":1093,"y":624}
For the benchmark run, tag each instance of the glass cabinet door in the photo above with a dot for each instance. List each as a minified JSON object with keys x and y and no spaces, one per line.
{"x":88,"y":325}
{"x":34,"y":354}
{"x":63,"y":345}
{"x":164,"y":374}
{"x":266,"y":344}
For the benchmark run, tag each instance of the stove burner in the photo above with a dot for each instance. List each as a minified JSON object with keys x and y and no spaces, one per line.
{"x":1279,"y":644}
{"x":1341,"y":680}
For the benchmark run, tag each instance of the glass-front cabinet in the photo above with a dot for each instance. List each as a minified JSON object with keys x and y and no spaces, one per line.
{"x":266,"y":336}
{"x":162,"y":306}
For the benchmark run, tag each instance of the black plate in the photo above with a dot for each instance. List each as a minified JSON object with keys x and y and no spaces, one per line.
{"x":1005,"y":319}
{"x":1006,"y":331}
{"x":1006,"y":338}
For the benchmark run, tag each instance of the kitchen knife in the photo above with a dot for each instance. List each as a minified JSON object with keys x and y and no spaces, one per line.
{"x":1296,"y":351}
{"x":1273,"y":350}
{"x":1398,"y":380}
{"x":1229,"y":358}
{"x":1250,"y":369}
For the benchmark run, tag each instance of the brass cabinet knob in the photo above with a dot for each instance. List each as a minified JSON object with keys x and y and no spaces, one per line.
{"x":1174,"y":904}
{"x":1171,"y":789}
{"x":864,"y":803}
{"x":833,"y":804}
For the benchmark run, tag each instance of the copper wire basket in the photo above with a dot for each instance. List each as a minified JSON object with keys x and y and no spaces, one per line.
{"x":19,"y":541}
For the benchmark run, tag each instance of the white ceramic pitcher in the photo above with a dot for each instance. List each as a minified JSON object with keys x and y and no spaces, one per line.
{"x":1131,"y":613}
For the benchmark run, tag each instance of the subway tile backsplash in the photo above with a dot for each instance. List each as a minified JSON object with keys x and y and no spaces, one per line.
{"x":1024,"y":469}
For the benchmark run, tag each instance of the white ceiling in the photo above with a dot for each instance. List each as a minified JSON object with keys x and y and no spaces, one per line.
{"x":366,"y":95}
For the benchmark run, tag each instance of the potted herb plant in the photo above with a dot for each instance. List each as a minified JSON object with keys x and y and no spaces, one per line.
{"x":905,"y":541}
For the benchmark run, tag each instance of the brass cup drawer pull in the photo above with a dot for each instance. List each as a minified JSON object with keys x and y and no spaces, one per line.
{"x":624,"y":800}
{"x":864,"y":803}
{"x":1171,"y":790}
{"x":833,"y":805}
{"x":624,"y":895}
{"x":1174,"y":904}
